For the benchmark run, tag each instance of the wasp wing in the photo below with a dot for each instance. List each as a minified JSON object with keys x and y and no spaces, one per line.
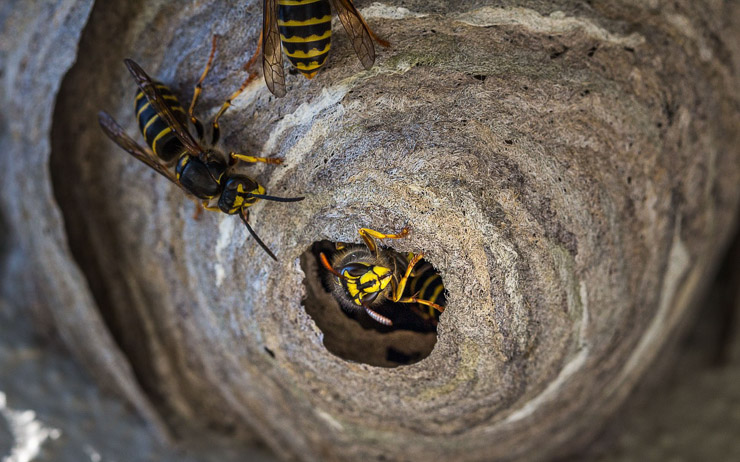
{"x":116,"y":133}
{"x":272,"y":50}
{"x":155,"y":98}
{"x":358,"y":31}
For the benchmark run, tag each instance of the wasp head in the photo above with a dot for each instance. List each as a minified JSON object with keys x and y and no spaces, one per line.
{"x":365,"y":282}
{"x":237,"y":194}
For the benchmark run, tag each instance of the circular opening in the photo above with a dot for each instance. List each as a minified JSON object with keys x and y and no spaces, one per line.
{"x":350,"y":332}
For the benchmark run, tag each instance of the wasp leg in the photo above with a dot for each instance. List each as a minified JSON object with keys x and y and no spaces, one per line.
{"x":256,"y":54}
{"x":267,"y":160}
{"x":399,"y":289}
{"x":368,"y":235}
{"x":413,"y":299}
{"x":427,"y":316}
{"x":252,"y":75}
{"x":209,"y":208}
{"x":200,"y":206}
{"x":383,"y":43}
{"x":196,"y":210}
{"x":199,"y":88}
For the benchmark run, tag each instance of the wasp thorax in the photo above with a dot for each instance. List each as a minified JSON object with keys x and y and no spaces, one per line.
{"x":237,"y":194}
{"x":215,"y":163}
{"x":201,"y":179}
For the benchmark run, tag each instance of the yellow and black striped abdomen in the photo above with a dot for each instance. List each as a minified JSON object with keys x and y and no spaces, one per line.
{"x":426,"y":284}
{"x":305,"y":30}
{"x":157,"y":133}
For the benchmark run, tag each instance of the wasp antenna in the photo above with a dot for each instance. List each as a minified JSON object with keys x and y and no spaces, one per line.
{"x":277,"y":199}
{"x":254,"y":235}
{"x":378,"y":317}
{"x":326,"y":264}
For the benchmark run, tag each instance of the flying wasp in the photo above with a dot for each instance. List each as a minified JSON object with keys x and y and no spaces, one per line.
{"x":367,"y":277}
{"x":203,"y":173}
{"x":302,"y":28}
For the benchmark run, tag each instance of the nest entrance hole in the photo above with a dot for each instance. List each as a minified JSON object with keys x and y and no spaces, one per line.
{"x":353,"y":335}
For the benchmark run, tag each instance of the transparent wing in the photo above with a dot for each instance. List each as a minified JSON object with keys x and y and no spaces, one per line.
{"x":157,"y":101}
{"x":116,"y":133}
{"x":272,"y":50}
{"x":357,"y":30}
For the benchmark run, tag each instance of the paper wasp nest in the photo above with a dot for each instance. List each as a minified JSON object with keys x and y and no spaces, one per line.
{"x":571,"y":169}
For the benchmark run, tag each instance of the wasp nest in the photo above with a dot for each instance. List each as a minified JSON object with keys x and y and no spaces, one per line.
{"x":571,"y":170}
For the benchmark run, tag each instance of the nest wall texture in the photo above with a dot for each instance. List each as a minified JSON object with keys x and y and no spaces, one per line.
{"x":570,"y":168}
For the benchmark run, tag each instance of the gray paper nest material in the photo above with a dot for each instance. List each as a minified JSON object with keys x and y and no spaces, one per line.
{"x":572,"y":171}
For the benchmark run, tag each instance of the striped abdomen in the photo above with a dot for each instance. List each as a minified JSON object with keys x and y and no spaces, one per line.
{"x":426,"y":284}
{"x":157,"y":133}
{"x":305,"y":31}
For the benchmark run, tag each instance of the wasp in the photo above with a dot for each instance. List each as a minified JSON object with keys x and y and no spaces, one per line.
{"x":201,"y":172}
{"x":302,"y":28}
{"x":367,"y":277}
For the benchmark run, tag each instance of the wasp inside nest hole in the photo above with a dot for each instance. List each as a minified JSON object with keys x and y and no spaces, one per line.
{"x":380,"y":332}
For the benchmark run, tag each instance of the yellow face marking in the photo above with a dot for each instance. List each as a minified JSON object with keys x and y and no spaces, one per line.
{"x":311,"y":75}
{"x":370,"y":282}
{"x":310,"y":54}
{"x":352,"y":288}
{"x":353,"y":291}
{"x":376,"y":279}
{"x":310,"y":38}
{"x":383,"y":275}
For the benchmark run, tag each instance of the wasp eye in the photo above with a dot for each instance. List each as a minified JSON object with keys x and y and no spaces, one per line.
{"x":355,"y":270}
